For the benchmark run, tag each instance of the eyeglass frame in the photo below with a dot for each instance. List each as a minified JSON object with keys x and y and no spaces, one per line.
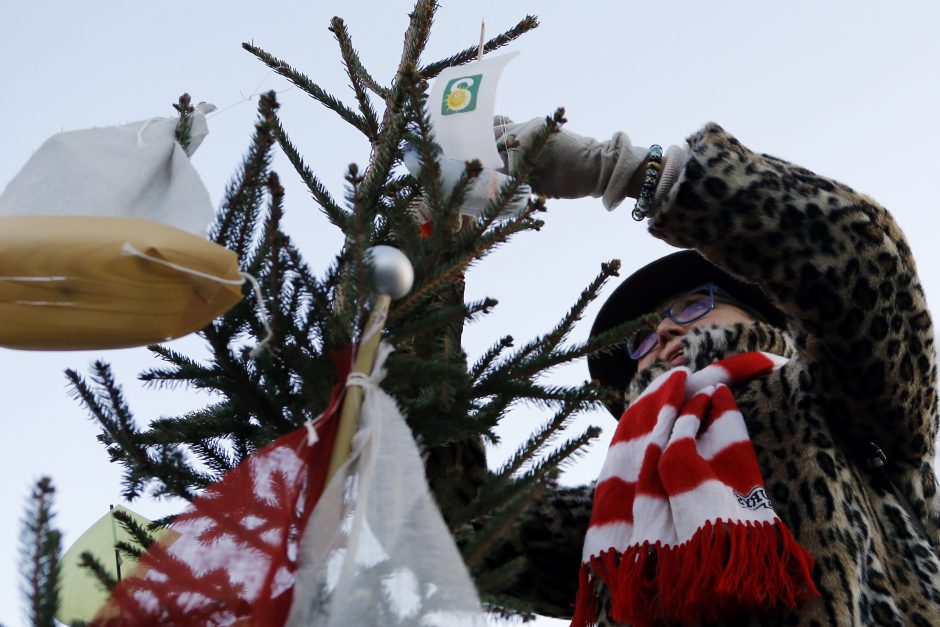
{"x":668,"y":313}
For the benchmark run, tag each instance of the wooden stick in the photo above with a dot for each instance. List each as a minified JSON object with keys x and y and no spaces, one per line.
{"x":365,"y":359}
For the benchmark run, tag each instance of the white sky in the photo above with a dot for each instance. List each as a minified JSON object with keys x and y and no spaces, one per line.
{"x":844,"y":88}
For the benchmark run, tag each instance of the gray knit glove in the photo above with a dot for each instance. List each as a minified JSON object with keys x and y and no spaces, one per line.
{"x":573,"y":166}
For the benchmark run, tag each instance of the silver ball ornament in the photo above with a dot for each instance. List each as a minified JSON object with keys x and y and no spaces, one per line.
{"x":394,"y":274}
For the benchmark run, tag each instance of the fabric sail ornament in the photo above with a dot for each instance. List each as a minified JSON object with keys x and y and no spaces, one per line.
{"x":80,"y":593}
{"x":682,"y":530}
{"x":233,"y":558}
{"x":103,"y":242}
{"x":460,"y":105}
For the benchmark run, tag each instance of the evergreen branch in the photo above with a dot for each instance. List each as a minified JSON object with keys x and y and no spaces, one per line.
{"x":489,"y":413}
{"x":416,"y":35}
{"x":561,"y":456}
{"x":500,"y":489}
{"x":402,"y":224}
{"x":330,"y":208}
{"x":97,"y":569}
{"x":496,"y":530}
{"x":358,"y":77}
{"x":510,"y":190}
{"x":553,"y":338}
{"x":429,"y":177}
{"x":441,"y":318}
{"x":186,"y":371}
{"x":264,"y":264}
{"x":308,"y":86}
{"x":126,"y":549}
{"x":236,"y":220}
{"x":393,"y":121}
{"x":353,"y":58}
{"x":411,"y":369}
{"x":40,"y":548}
{"x":511,"y":370}
{"x":533,"y":447}
{"x":357,"y":242}
{"x":486,"y":360}
{"x":584,"y":396}
{"x":472,"y":170}
{"x":323,"y":309}
{"x":470,"y":54}
{"x":386,"y":151}
{"x":212,"y":422}
{"x":123,"y":439}
{"x":476,"y":250}
{"x":214,"y":456}
{"x":143,"y":538}
{"x":185,"y":125}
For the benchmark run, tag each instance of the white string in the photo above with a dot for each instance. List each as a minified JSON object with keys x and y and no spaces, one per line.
{"x":255,"y":92}
{"x":358,"y":379}
{"x":263,"y":311}
{"x":130,"y":249}
{"x":312,"y":424}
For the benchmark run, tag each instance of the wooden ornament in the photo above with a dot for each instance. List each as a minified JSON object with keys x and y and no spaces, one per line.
{"x":68,"y":283}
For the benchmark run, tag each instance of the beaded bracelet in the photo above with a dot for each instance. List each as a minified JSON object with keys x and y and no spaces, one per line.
{"x":654,"y":163}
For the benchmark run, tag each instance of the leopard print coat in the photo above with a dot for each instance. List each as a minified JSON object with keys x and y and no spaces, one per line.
{"x":862,"y":369}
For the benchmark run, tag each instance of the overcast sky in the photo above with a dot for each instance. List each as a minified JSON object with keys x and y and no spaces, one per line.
{"x":844,"y":88}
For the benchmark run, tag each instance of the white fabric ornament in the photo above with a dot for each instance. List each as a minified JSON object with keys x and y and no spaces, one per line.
{"x":103,"y":242}
{"x":138,"y":170}
{"x":376,"y":550}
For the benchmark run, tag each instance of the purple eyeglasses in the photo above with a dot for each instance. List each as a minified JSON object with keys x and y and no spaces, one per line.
{"x":688,"y":308}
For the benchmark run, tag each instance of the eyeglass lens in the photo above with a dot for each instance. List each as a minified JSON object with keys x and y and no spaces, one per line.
{"x":684,"y":310}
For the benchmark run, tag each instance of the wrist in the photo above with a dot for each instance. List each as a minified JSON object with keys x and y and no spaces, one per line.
{"x":651,"y":170}
{"x":673,"y":163}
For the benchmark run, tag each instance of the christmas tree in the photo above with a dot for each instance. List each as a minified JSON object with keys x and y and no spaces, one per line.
{"x":452,"y":406}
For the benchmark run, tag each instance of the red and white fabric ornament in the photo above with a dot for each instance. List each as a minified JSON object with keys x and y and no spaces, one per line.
{"x":233,"y":555}
{"x":274,"y":545}
{"x":682,"y":529}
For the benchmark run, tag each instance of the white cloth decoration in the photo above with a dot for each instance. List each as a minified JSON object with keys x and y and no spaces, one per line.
{"x":461,"y":105}
{"x":138,"y":170}
{"x":376,"y":550}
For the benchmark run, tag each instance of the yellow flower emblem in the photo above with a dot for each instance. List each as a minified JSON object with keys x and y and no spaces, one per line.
{"x":458,"y":98}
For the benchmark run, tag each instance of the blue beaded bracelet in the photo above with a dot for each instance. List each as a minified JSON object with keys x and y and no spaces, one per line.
{"x":654,"y":164}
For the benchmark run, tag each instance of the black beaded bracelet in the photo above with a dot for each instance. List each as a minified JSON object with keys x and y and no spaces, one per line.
{"x":654,"y":164}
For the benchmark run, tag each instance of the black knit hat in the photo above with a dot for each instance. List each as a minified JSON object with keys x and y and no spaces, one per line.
{"x":646,"y":289}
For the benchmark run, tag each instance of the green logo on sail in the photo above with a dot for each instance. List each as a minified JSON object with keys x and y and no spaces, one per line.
{"x":460,"y":94}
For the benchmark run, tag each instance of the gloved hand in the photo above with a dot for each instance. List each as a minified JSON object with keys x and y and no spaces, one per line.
{"x":573,"y":166}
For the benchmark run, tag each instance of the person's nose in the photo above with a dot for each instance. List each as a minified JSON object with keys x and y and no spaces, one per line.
{"x":668,"y":330}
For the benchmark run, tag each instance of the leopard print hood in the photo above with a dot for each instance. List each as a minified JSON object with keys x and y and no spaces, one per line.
{"x":706,"y":345}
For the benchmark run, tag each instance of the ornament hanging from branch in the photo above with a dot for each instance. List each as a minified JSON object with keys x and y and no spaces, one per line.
{"x":461,"y":105}
{"x":103,"y":241}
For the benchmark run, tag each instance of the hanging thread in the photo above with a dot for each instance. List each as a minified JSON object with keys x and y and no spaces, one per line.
{"x":255,"y":92}
{"x":131,"y":250}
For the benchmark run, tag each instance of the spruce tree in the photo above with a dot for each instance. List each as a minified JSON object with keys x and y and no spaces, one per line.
{"x":451,"y":405}
{"x":40,"y":546}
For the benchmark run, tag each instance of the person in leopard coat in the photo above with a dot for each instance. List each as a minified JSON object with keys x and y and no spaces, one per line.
{"x":861,"y":380}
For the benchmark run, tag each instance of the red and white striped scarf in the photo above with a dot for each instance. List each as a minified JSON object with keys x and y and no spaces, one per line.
{"x":682,"y":529}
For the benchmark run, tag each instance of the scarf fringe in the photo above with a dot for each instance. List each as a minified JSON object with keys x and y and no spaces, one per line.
{"x":725,"y":569}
